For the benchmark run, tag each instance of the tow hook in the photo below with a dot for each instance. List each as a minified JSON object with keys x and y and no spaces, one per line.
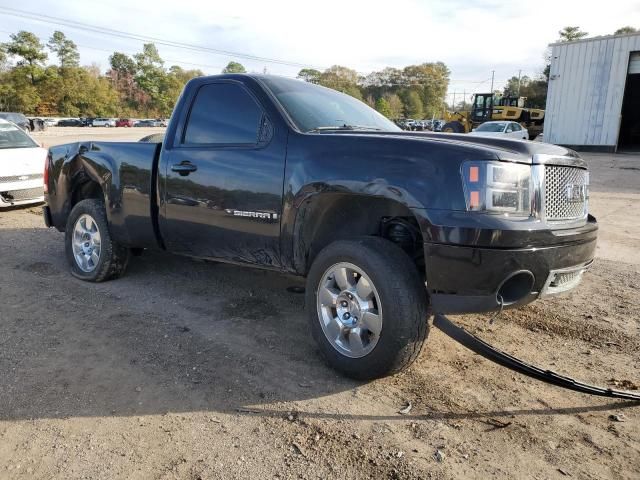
{"x":482,"y":348}
{"x":499,"y":312}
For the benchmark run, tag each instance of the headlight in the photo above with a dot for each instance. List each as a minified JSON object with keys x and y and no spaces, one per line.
{"x":498,"y":187}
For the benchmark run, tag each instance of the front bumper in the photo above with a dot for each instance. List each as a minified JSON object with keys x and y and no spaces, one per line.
{"x":469,"y":279}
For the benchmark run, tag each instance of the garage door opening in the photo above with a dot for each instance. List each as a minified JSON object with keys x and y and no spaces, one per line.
{"x":629,"y":138}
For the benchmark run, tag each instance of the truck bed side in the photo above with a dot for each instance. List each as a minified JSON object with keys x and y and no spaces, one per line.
{"x":123,"y":174}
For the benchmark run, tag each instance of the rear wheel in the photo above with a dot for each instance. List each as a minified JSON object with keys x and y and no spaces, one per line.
{"x":367,"y":306}
{"x":91,"y":253}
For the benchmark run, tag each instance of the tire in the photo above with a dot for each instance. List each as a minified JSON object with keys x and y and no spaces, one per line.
{"x":399,"y":298}
{"x":112,"y":259}
{"x":453,"y":127}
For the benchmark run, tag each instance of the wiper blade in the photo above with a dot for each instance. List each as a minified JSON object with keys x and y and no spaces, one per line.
{"x":343,"y":127}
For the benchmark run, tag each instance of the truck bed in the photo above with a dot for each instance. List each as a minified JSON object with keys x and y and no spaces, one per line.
{"x":127,"y":173}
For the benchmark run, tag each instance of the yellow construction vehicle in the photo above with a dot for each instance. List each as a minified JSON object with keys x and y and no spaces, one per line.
{"x":488,"y":106}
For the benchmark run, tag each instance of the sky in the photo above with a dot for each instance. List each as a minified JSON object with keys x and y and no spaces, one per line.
{"x":473,"y":37}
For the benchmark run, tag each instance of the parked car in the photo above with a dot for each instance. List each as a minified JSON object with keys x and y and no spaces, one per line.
{"x":17,"y":119}
{"x":21,"y":165}
{"x":437,"y":125}
{"x":71,"y":122}
{"x":50,"y":122}
{"x":104,"y":122}
{"x":37,"y":124}
{"x":501,"y":129}
{"x":124,"y":122}
{"x":147,"y":123}
{"x":385,"y":225}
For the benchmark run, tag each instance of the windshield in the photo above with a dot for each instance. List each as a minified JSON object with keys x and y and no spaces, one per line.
{"x":13,"y":137}
{"x":312,"y":107}
{"x":14,"y":117}
{"x":491,"y":127}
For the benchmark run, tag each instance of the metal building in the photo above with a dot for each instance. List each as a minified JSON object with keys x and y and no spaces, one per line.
{"x":593,"y":102}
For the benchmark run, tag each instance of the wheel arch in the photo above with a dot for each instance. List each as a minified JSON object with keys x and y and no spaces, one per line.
{"x":89,"y":175}
{"x":326,"y":217}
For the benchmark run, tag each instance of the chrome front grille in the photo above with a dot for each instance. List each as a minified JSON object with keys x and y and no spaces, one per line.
{"x":21,"y":178}
{"x":20,"y":195}
{"x":566,"y":193}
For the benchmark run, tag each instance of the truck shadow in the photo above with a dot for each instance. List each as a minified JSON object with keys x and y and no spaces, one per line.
{"x":173,"y":335}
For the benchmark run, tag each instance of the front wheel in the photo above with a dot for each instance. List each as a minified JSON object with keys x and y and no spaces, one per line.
{"x":453,"y":127}
{"x":91,"y":253}
{"x":368,"y":307}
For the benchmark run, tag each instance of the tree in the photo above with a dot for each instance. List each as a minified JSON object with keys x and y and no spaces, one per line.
{"x":396,"y":107}
{"x":122,"y":63}
{"x":28,"y":48}
{"x":342,"y":79}
{"x":382,"y":106}
{"x":627,"y":29}
{"x":150,"y":75}
{"x":234,"y":67}
{"x":310,"y":75}
{"x":429,"y":80}
{"x":65,"y":49}
{"x":535,"y":90}
{"x":3,"y":57}
{"x":569,"y":34}
{"x":413,"y":107}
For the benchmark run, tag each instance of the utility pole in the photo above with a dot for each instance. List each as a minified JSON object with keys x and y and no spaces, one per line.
{"x":464,"y":99}
{"x":493,"y":72}
{"x":519,"y":73}
{"x":454,"y":101}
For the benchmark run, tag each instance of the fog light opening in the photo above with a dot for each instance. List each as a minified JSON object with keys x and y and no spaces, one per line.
{"x":516,"y":287}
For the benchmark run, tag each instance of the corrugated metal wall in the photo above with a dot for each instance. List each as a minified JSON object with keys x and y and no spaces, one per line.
{"x":586,"y":88}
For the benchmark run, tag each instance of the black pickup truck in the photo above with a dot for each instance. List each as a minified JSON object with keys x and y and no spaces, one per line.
{"x":387,"y":226}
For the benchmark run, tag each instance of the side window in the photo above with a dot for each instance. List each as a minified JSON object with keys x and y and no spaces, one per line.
{"x":516,"y":127}
{"x":509,"y":128}
{"x":223,"y":113}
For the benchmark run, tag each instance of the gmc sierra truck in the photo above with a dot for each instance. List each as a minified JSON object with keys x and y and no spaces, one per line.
{"x":387,"y":226}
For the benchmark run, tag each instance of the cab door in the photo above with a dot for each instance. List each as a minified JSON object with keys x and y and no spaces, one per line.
{"x":223,"y":178}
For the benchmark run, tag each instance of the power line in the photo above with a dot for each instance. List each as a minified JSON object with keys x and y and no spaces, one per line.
{"x":144,"y":38}
{"x":131,"y":52}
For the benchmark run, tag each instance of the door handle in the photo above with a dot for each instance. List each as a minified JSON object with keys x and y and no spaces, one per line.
{"x":184,"y":168}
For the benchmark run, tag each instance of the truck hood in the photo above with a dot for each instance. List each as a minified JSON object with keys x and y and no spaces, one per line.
{"x":505,"y":149}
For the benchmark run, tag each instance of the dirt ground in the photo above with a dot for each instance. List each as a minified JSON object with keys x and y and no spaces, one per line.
{"x":196,"y":370}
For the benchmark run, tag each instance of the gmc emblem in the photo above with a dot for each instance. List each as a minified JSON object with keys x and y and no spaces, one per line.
{"x":575,"y":193}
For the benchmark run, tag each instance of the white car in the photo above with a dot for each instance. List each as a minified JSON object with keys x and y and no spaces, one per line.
{"x":21,"y":167}
{"x":104,"y":122}
{"x":501,"y":129}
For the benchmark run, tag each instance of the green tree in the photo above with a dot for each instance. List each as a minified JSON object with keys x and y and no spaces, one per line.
{"x":413,"y":107}
{"x":534,"y":90}
{"x":234,"y":67}
{"x":150,"y":78}
{"x":310,"y":75}
{"x":382,"y":106}
{"x":396,"y":107}
{"x":4,"y":58}
{"x":342,"y":79}
{"x":27,"y":47}
{"x":65,"y":49}
{"x":569,"y":34}
{"x":429,"y":80}
{"x":627,"y":29}
{"x":122,"y":63}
